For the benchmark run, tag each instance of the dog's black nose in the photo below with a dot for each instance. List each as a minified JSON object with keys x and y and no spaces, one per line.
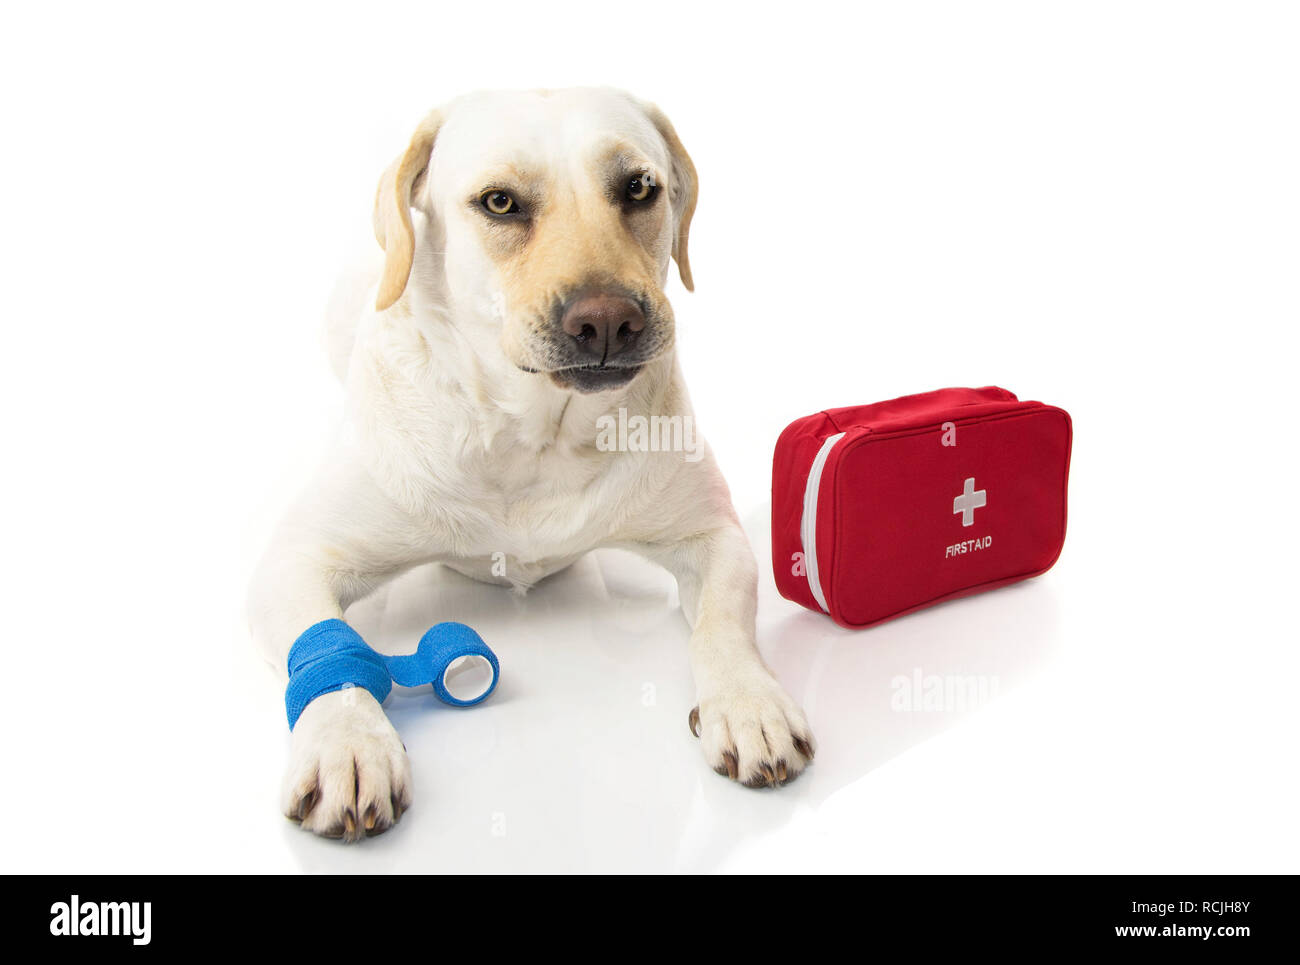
{"x":603,"y":324}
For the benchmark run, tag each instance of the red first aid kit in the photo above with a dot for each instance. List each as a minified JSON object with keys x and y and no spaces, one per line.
{"x":878,"y":510}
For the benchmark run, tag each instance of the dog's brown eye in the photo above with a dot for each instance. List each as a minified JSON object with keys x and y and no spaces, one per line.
{"x":641,"y":188}
{"x":498,"y":202}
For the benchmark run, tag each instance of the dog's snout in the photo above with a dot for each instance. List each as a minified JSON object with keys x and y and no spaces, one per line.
{"x":603,"y":324}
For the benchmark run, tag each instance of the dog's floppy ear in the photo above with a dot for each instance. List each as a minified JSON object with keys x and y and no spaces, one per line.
{"x":392,"y":217}
{"x":683,"y":192}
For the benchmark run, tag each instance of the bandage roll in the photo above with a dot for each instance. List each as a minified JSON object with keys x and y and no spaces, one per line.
{"x":452,"y":657}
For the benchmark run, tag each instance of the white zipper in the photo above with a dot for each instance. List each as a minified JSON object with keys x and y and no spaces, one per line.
{"x":808,"y":524}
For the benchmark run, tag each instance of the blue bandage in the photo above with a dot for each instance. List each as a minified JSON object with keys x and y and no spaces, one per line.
{"x":452,"y":657}
{"x":330,"y":656}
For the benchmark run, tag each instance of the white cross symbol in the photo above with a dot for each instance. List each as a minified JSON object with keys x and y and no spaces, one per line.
{"x":970,"y":500}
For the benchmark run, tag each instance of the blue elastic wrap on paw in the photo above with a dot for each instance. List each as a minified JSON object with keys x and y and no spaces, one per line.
{"x":330,"y":656}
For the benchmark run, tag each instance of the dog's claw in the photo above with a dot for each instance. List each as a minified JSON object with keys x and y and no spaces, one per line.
{"x":693,"y":721}
{"x":765,"y":777}
{"x":804,"y":748}
{"x":729,"y":761}
{"x":306,"y":801}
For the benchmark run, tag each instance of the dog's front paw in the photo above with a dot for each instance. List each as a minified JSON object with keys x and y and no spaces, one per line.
{"x":754,"y":733}
{"x":348,"y":773}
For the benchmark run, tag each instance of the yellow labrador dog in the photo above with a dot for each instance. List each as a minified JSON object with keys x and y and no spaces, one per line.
{"x":527,"y":239}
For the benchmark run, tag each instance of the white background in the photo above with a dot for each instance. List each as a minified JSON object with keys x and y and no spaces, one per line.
{"x":1092,"y":204}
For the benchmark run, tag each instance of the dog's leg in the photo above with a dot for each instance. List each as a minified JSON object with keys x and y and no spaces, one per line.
{"x":348,"y":772}
{"x":750,"y":729}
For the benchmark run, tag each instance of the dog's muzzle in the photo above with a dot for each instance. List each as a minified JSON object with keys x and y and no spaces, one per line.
{"x":603,"y":338}
{"x":604,"y":326}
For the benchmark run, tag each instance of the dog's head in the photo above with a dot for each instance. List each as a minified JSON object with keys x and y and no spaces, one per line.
{"x":558,"y":214}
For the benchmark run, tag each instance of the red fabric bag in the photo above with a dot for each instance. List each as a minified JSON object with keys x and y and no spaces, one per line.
{"x":878,"y":510}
